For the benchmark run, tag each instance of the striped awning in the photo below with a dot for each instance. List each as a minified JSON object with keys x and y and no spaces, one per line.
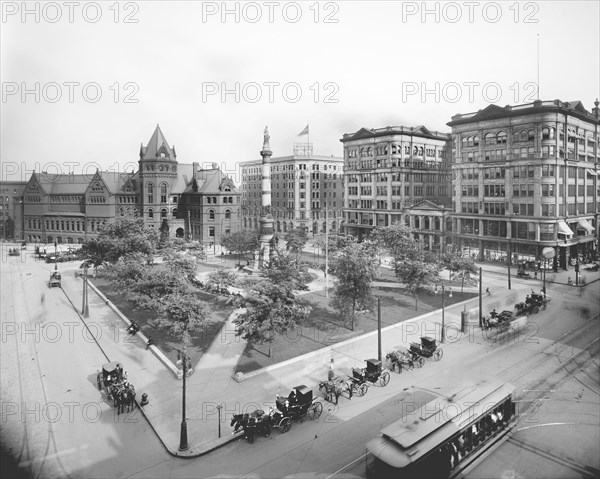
{"x":585,"y":224}
{"x":563,"y":228}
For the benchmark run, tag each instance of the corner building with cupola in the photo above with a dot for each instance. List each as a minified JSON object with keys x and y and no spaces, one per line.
{"x":195,"y":200}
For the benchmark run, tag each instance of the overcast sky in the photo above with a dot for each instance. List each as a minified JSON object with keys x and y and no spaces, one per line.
{"x":84,"y":83}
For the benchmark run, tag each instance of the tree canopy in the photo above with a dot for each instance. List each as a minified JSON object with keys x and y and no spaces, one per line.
{"x":283,"y":268}
{"x":356,"y":267}
{"x":241,"y":242}
{"x":125,"y":236}
{"x":296,"y":239}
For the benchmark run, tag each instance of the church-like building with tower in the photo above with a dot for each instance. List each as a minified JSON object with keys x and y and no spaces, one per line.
{"x":194,"y":200}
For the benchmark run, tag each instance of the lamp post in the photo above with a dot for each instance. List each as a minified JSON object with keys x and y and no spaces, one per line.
{"x":183,"y":439}
{"x":443,"y":336}
{"x":508,"y":261}
{"x":55,"y":256}
{"x":85,"y":305}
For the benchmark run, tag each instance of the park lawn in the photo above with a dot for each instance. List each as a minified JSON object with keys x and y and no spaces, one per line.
{"x":324,"y":327}
{"x":201,"y":340}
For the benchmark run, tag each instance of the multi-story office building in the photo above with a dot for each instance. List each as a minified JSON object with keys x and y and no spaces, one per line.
{"x":525,"y":177}
{"x":398,"y":175}
{"x":196,"y":202}
{"x":306,"y":193}
{"x":11,"y":209}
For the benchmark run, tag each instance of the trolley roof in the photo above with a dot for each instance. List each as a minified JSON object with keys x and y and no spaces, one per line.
{"x":417,"y":433}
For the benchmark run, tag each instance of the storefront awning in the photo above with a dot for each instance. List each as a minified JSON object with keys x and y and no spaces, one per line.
{"x":585,"y":224}
{"x":563,"y":228}
{"x":591,"y":172}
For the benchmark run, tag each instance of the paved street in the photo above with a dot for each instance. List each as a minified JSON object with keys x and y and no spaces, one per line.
{"x":62,"y":371}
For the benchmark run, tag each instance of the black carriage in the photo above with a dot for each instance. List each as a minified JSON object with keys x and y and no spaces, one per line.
{"x":256,"y":422}
{"x":55,"y":279}
{"x":426,"y":349}
{"x":373,"y":374}
{"x":298,"y":404}
{"x":113,"y":380}
{"x":523,"y":274}
{"x":401,"y":358}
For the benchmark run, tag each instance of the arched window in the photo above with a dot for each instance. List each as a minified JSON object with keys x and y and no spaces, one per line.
{"x":150,"y":191}
{"x":227,"y":214}
{"x":501,"y":137}
{"x":476,"y":140}
{"x":548,"y":133}
{"x":211,"y":214}
{"x":150,"y":213}
{"x":530,"y":135}
{"x":163,"y":213}
{"x":517,"y":136}
{"x":163,"y":193}
{"x":465,"y":141}
{"x":174,"y":212}
{"x":488,"y":139}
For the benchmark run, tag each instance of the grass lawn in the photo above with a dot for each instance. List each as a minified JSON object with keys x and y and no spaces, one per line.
{"x":324,"y":327}
{"x":201,"y":340}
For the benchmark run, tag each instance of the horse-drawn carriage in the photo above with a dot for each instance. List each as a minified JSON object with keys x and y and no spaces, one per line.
{"x":336,"y":387}
{"x":55,"y":279}
{"x":426,"y":349}
{"x":113,"y":380}
{"x":373,"y":374}
{"x":298,"y":404}
{"x":401,"y":358}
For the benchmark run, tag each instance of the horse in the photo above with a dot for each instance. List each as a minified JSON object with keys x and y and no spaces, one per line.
{"x":400,"y":359}
{"x":333,"y":388}
{"x":251,"y":422}
{"x":126,"y":398}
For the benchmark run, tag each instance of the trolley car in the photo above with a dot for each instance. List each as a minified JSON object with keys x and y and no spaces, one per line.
{"x":444,"y":435}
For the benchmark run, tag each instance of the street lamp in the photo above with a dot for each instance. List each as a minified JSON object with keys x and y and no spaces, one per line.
{"x":85,"y":304}
{"x":443,"y":336}
{"x":55,"y":257}
{"x":183,"y":358}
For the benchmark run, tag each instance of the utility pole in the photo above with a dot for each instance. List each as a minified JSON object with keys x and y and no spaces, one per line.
{"x":480,"y":300}
{"x":327,"y":264}
{"x":379,"y":328}
{"x":508,"y":262}
{"x":443,"y":336}
{"x":85,"y":305}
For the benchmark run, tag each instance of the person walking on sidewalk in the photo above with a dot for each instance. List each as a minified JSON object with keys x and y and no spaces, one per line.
{"x":487,"y":290}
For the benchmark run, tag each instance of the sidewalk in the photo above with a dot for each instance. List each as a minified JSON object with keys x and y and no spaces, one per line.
{"x":211,"y":390}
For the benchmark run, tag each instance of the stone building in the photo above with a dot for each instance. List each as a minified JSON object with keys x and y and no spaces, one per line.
{"x":398,"y":175}
{"x":195,"y":202}
{"x":525,"y":177}
{"x":11,"y":209}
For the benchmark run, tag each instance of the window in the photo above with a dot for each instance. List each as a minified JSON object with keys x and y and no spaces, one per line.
{"x":163,"y":193}
{"x":227,"y":214}
{"x":211,"y":231}
{"x":211,"y":214}
{"x":501,"y":137}
{"x":489,"y":139}
{"x":150,"y":192}
{"x":150,"y":215}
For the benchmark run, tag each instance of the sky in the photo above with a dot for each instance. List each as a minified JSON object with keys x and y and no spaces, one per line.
{"x":85,"y":83}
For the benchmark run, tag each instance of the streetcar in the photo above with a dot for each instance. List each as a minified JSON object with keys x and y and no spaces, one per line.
{"x":444,"y":435}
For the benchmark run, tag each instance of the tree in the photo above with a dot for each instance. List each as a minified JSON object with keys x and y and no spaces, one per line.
{"x":296,"y":239}
{"x":412,"y":264}
{"x":356,"y":267}
{"x":181,"y":312}
{"x":271,"y":309}
{"x":125,"y":236}
{"x":283,"y":268}
{"x":164,"y":232}
{"x":220,"y":279}
{"x":241,"y":242}
{"x":459,"y":265}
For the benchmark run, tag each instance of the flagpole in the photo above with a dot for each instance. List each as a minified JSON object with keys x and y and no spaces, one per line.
{"x":308,"y":128}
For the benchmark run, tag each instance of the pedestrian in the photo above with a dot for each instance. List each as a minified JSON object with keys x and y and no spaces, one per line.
{"x":43,"y":298}
{"x":487,"y":290}
{"x":149,"y":343}
{"x":535,"y":275}
{"x":570,"y":281}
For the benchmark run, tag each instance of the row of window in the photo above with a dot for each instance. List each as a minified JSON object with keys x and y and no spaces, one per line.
{"x":395,"y":149}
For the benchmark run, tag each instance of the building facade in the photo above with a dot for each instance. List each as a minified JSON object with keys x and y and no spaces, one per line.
{"x":525,"y":177}
{"x":398,"y":175}
{"x":306,"y":193}
{"x":194,"y":202}
{"x":11,"y":209}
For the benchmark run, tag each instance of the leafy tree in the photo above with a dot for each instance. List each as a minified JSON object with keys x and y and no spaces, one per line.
{"x":459,"y":265}
{"x":220,"y":279}
{"x":296,"y":239}
{"x":9,"y":226}
{"x":283,"y":268}
{"x":125,"y":236}
{"x":181,"y":312}
{"x":241,"y":242}
{"x":412,"y":264}
{"x":164,"y":232}
{"x":271,"y":309}
{"x":356,"y":267}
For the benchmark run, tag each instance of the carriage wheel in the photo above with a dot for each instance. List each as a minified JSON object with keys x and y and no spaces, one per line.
{"x":362,"y":389}
{"x":419,"y":362}
{"x":285,"y":425}
{"x":384,"y":379}
{"x":536,"y":309}
{"x":314,"y":411}
{"x":437,"y":355}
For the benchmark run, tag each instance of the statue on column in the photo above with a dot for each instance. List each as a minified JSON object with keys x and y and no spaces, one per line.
{"x":267,"y":138}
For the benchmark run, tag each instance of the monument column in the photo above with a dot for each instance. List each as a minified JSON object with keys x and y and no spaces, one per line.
{"x":266,"y":220}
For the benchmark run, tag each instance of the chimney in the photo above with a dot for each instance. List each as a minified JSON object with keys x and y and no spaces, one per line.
{"x":215,"y":166}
